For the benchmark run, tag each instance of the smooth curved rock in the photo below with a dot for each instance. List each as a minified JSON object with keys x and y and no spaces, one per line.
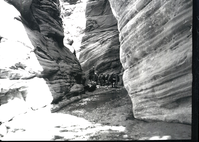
{"x":37,"y":69}
{"x":156,"y":53}
{"x":100,"y":44}
{"x":154,"y":47}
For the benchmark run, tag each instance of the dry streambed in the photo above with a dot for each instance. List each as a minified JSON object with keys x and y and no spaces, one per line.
{"x":106,"y":115}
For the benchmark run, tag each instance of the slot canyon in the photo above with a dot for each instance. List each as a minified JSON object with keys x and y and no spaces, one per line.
{"x":47,"y":47}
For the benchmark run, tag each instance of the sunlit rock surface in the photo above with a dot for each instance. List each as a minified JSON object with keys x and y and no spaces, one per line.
{"x":156,"y":53}
{"x":152,"y":39}
{"x":100,"y":44}
{"x":35,"y":67}
{"x":74,"y":22}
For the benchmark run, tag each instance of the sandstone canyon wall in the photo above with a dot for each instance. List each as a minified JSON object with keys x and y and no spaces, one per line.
{"x":100,"y":44}
{"x":156,"y":54}
{"x":36,"y":69}
{"x":150,"y":39}
{"x":154,"y":47}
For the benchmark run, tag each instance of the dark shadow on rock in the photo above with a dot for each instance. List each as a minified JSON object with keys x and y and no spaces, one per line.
{"x":72,"y":1}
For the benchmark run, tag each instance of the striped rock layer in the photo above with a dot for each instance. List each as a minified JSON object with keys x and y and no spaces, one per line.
{"x":156,"y":54}
{"x":153,"y":41}
{"x":36,"y":69}
{"x":100,"y":44}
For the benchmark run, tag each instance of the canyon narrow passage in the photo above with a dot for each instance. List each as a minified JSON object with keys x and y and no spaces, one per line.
{"x":96,"y":70}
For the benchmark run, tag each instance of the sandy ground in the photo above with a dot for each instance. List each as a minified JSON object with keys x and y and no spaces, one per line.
{"x":105,"y":116}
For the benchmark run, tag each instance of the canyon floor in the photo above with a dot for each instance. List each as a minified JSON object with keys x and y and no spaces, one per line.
{"x":105,"y":115}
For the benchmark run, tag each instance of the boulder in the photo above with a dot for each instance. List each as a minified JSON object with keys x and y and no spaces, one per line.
{"x":90,"y":87}
{"x":77,"y":88}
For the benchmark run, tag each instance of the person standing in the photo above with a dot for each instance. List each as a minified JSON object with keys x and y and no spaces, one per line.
{"x":106,"y":79}
{"x":101,"y":79}
{"x":114,"y":80}
{"x":91,"y":74}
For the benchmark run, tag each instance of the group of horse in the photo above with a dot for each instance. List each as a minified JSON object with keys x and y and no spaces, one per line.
{"x":105,"y":79}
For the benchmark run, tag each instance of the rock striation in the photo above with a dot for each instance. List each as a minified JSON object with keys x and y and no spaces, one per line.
{"x":155,"y":50}
{"x":100,"y":44}
{"x":156,"y":53}
{"x":151,"y":40}
{"x":38,"y":69}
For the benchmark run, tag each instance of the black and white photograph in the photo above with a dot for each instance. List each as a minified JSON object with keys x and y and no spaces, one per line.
{"x":96,"y":70}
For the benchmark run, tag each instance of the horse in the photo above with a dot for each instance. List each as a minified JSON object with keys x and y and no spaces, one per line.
{"x":114,"y":79}
{"x":106,"y":79}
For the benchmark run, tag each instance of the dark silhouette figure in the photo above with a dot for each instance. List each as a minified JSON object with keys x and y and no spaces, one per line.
{"x":114,"y":79}
{"x":101,"y":79}
{"x":106,"y":79}
{"x":83,"y":80}
{"x":91,"y":74}
{"x":95,"y":78}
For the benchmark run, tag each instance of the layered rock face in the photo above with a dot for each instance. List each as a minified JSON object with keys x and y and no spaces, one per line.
{"x":36,"y":69}
{"x":156,"y":53}
{"x":154,"y":45}
{"x":100,"y":44}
